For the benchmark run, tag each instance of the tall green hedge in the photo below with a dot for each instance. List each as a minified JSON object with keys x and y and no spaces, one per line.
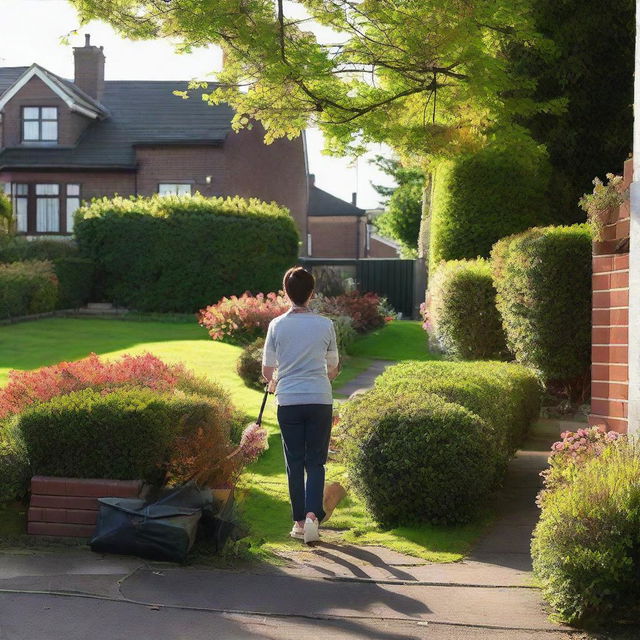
{"x":75,"y":278}
{"x":481,"y":197}
{"x":178,"y":254}
{"x":543,"y":279}
{"x":463,"y":312}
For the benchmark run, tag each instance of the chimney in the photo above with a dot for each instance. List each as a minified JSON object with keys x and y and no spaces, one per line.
{"x":354,"y":199}
{"x":89,"y":68}
{"x":312,"y":179}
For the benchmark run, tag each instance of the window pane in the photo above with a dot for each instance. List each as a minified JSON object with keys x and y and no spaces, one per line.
{"x":21,"y":189}
{"x":48,"y":215}
{"x":72,"y":205}
{"x":184,"y":189}
{"x":73,"y":189}
{"x":49,"y":113}
{"x":47,"y":189}
{"x":49,"y":130}
{"x":31,"y":113}
{"x":167,"y":189}
{"x":31,"y":130}
{"x":6,"y":187}
{"x":20,"y":205}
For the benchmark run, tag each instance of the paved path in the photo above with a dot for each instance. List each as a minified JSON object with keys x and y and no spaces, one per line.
{"x":365,"y":380}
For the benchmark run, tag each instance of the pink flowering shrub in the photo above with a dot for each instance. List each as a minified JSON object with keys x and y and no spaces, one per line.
{"x":572,"y":451}
{"x":242,"y":319}
{"x":26,"y":387}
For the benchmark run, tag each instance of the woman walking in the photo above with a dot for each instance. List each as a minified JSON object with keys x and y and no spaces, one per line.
{"x":301,"y":345}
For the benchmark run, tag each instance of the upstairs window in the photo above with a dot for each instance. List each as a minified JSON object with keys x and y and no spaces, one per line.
{"x":39,"y":124}
{"x":174,"y":189}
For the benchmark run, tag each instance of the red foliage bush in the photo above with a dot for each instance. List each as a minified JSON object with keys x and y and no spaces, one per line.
{"x":365,"y":310}
{"x":27,"y":387}
{"x":243,"y":319}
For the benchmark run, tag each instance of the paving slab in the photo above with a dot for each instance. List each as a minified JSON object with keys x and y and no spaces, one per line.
{"x":292,"y":594}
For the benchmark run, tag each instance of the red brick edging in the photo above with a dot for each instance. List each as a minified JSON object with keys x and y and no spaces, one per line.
{"x":69,"y":506}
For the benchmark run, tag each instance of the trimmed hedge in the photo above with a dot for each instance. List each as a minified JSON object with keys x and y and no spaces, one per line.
{"x":543,"y":279}
{"x":126,"y":434}
{"x":176,"y":254}
{"x":416,"y":457}
{"x":463,"y":311}
{"x":481,"y":197}
{"x":449,"y":427}
{"x":19,"y":249}
{"x":75,"y":278}
{"x":586,"y":546}
{"x":27,"y":288}
{"x":507,"y":396}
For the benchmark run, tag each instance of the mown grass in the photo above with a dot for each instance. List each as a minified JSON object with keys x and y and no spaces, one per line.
{"x":262,"y":491}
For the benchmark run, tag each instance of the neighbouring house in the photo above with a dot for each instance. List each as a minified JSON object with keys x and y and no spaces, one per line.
{"x":340,"y":229}
{"x":62,"y":142}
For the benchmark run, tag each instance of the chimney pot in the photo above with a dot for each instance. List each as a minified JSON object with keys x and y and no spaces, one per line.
{"x":354,"y":198}
{"x":87,"y":39}
{"x":312,"y":179}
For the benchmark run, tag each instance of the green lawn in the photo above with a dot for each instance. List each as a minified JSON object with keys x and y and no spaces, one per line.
{"x":262,"y":490}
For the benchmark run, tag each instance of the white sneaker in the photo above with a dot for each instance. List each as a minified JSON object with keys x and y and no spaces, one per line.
{"x":297,"y":531}
{"x":311,"y":531}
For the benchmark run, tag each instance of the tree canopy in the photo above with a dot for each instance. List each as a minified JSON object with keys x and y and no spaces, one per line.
{"x":428,"y":77}
{"x":403,"y":204}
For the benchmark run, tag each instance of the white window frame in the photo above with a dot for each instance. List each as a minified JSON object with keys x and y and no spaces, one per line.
{"x":174,"y":188}
{"x":39,"y":120}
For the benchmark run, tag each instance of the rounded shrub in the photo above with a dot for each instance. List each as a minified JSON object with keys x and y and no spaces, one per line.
{"x":416,"y":458}
{"x":249,"y":365}
{"x":507,"y":396}
{"x":586,"y":546}
{"x":463,"y":310}
{"x":481,"y":197}
{"x":177,"y":254}
{"x":543,"y":279}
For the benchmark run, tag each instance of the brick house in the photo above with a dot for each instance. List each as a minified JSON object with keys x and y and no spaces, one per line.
{"x":340,"y":229}
{"x":63,"y":142}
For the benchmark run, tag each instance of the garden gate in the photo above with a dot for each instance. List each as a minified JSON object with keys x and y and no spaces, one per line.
{"x":402,"y":282}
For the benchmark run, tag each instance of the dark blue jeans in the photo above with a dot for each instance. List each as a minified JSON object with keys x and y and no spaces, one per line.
{"x":306,"y":431}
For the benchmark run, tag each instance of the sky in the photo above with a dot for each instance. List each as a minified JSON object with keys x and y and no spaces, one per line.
{"x":31,"y":32}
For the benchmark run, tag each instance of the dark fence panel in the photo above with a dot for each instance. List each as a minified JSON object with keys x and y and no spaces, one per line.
{"x":389,"y":277}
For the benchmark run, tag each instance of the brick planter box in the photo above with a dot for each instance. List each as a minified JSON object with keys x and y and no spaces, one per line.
{"x":69,"y":506}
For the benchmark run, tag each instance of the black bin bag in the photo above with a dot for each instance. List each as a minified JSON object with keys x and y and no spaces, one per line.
{"x":161,"y":530}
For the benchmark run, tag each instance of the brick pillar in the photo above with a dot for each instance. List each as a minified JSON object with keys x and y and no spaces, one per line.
{"x":610,"y":320}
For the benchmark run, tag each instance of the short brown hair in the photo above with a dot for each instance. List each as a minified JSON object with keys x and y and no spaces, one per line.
{"x":299,"y":284}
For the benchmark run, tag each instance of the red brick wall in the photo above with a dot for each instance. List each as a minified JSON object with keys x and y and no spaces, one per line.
{"x":182,"y":164}
{"x":336,"y":236}
{"x":36,"y":93}
{"x":379,"y":249}
{"x":610,"y":321}
{"x":277,"y":172}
